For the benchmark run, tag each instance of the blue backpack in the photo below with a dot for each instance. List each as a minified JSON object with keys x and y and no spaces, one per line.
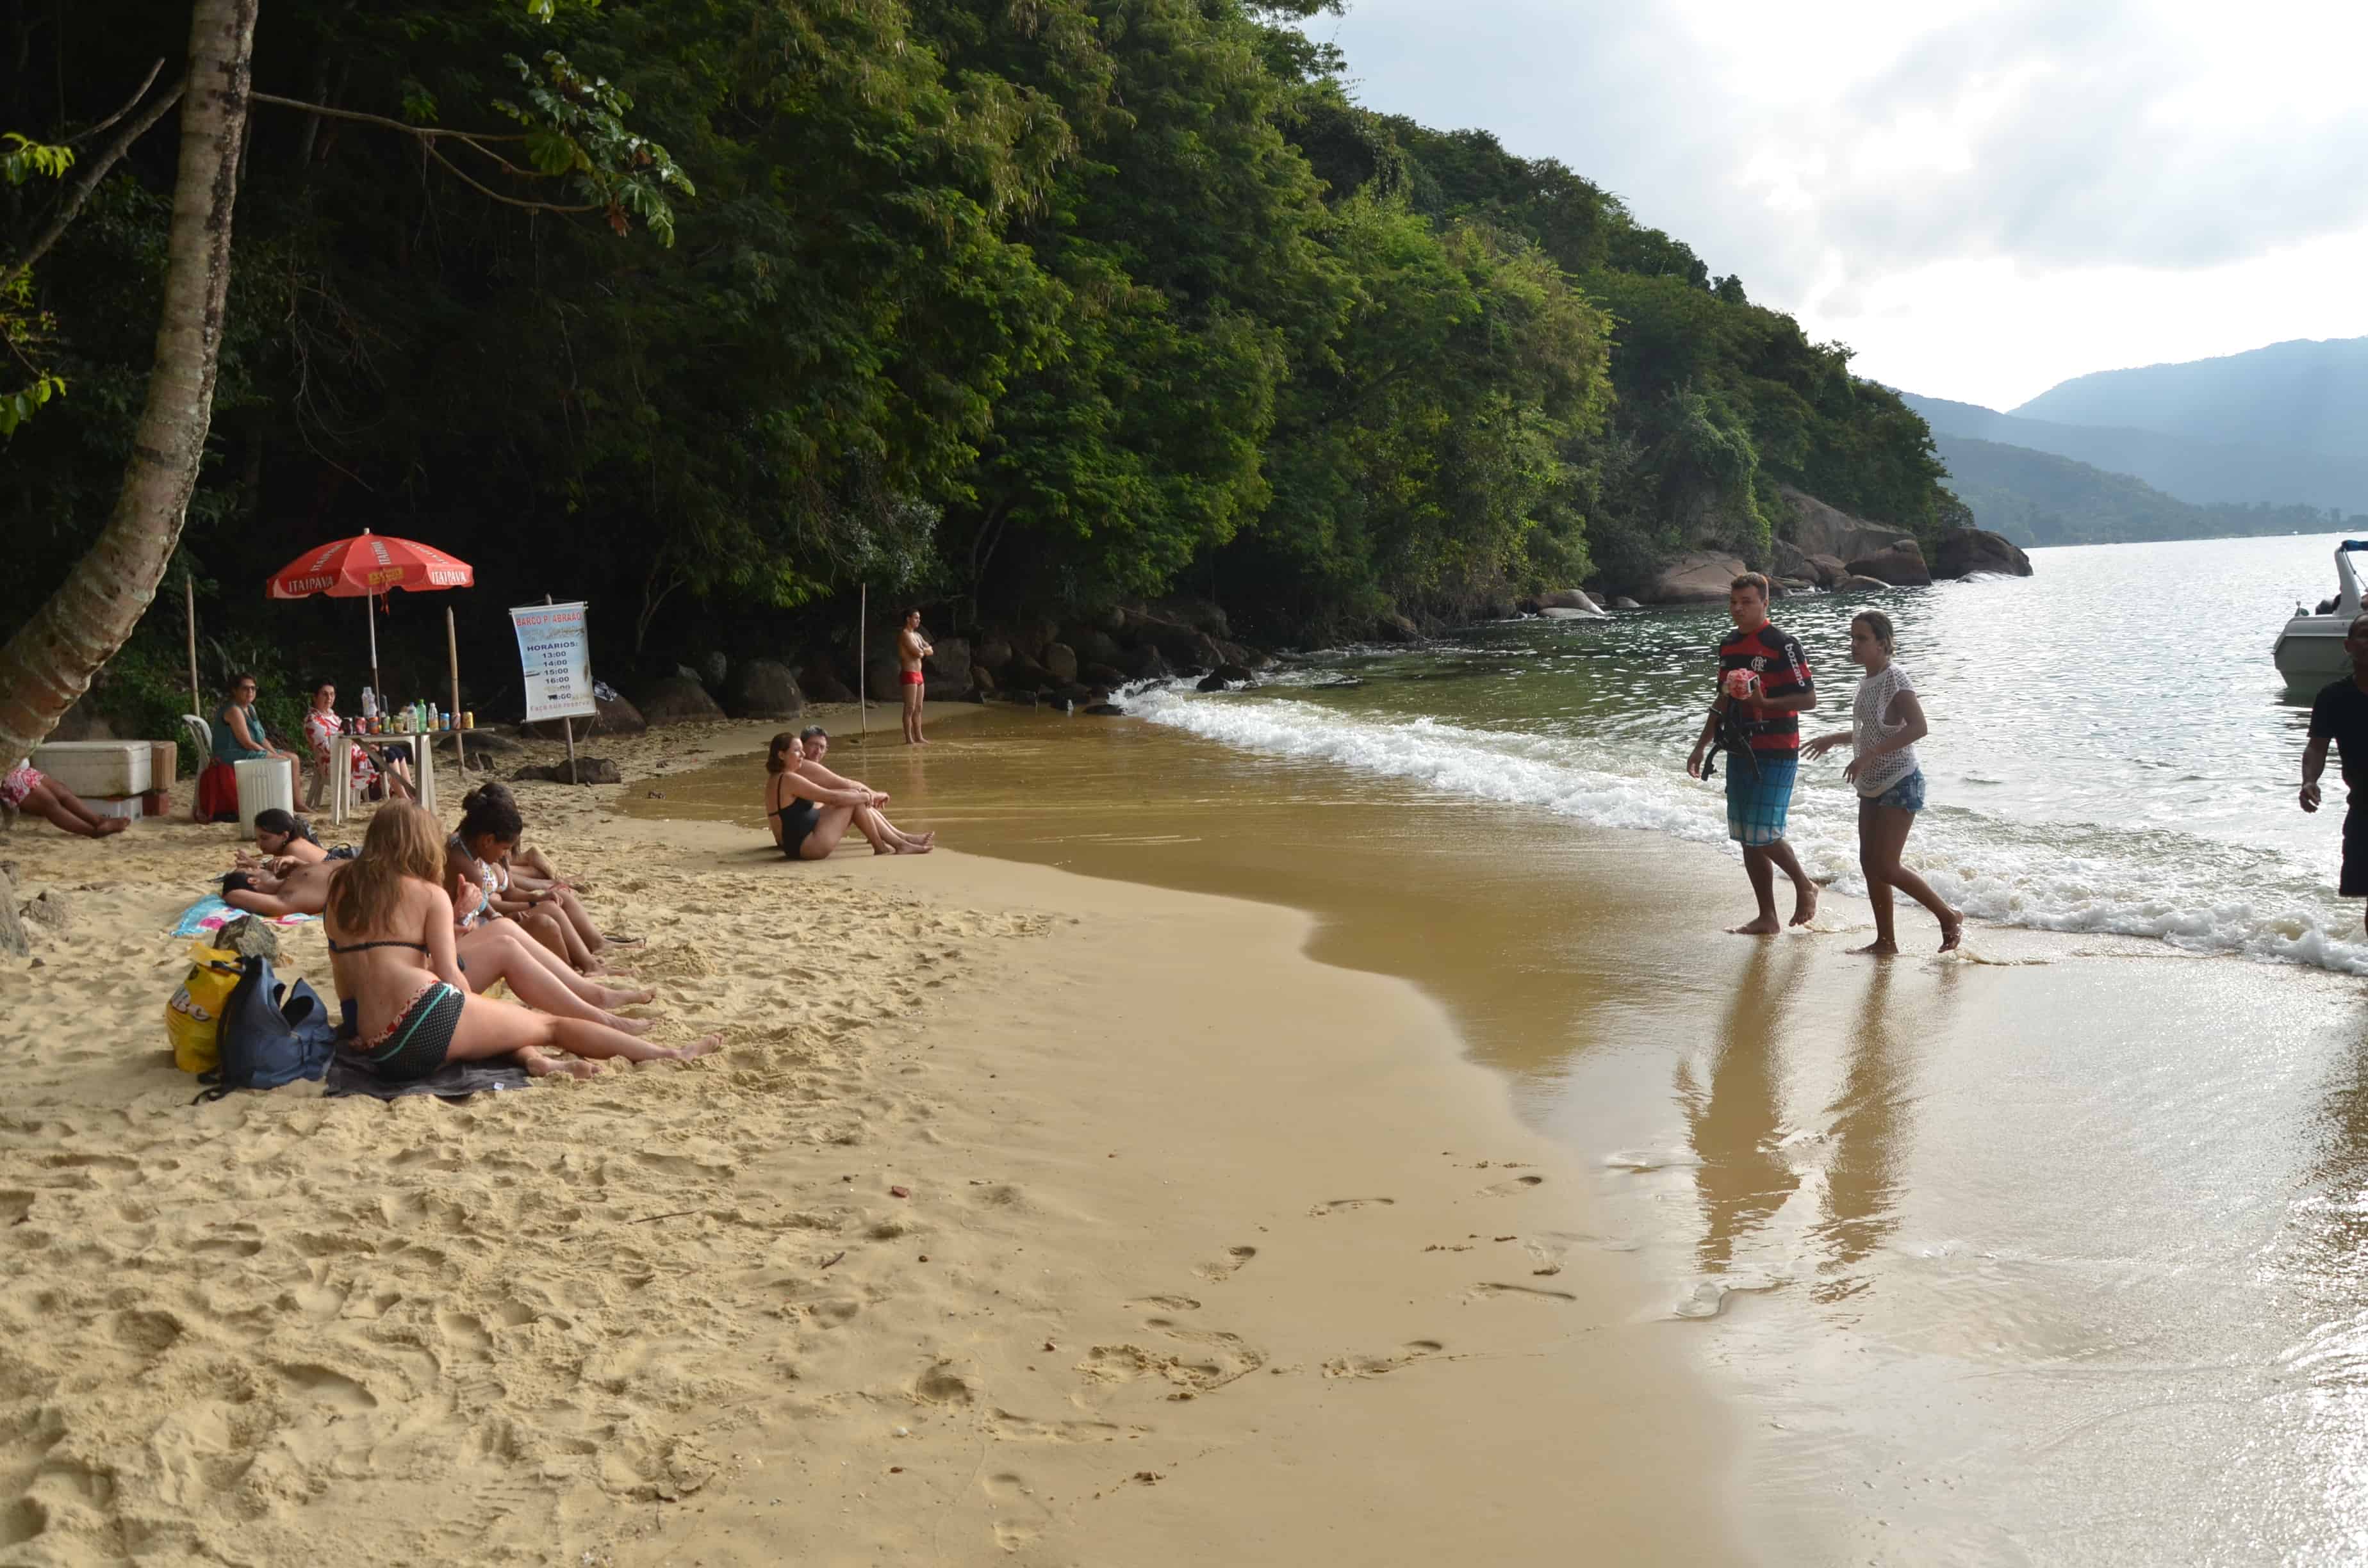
{"x":271,"y":1034}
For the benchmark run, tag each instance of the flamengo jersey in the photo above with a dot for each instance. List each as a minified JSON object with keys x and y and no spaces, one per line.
{"x":1784,"y":670}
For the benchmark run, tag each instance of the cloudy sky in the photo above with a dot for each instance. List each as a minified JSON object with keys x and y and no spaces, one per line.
{"x":1981,"y":196}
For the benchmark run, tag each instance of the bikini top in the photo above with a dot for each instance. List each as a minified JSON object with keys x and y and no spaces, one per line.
{"x":360,"y":947}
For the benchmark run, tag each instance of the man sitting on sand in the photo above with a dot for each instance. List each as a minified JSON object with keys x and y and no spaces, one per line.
{"x":1764,"y":687}
{"x":302,"y":890}
{"x":2340,"y":714}
{"x":911,"y":649}
{"x":27,"y":789}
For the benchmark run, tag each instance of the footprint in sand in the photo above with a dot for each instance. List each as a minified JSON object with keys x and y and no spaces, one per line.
{"x":1169,"y":1304}
{"x":1228,"y":1265}
{"x":1019,"y":1517}
{"x":1514,"y":1187}
{"x":1490,"y":1291}
{"x":1342,"y":1205}
{"x":1210,"y":1361}
{"x":1014,"y":1428}
{"x":1413,"y":1350}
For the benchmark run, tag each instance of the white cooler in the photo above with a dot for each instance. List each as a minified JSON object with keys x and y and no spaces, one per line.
{"x":264,"y":782}
{"x":97,"y":769}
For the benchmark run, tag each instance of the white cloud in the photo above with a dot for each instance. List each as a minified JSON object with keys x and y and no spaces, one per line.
{"x":1982,"y":196}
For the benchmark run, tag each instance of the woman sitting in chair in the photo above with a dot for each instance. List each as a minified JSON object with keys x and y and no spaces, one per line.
{"x":238,"y":732}
{"x":324,"y":734}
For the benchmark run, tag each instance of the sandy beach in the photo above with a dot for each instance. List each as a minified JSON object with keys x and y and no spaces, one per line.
{"x":1025,"y":1217}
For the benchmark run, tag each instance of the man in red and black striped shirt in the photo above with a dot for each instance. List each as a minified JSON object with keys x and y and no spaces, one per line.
{"x":1764,"y":687}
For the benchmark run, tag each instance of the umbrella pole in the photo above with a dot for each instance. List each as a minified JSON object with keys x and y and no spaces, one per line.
{"x":370,"y":613}
{"x":190,"y":605}
{"x":452,"y":648}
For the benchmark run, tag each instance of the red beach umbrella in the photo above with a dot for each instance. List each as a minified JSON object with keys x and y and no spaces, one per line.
{"x":370,"y":565}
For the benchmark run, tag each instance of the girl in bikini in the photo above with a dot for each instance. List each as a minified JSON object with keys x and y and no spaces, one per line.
{"x":391,"y":938}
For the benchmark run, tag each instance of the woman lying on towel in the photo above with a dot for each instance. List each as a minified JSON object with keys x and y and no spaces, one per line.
{"x":392,"y":950}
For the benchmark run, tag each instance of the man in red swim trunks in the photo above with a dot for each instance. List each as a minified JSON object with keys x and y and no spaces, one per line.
{"x":911,"y":649}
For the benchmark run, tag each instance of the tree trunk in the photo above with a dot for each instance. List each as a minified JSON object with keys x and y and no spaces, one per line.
{"x":12,"y":930}
{"x":49,"y":664}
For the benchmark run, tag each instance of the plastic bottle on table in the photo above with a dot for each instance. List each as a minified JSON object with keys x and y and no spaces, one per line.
{"x":370,"y":703}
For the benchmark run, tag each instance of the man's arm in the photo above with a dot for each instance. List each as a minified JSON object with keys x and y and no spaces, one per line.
{"x":2314,"y":763}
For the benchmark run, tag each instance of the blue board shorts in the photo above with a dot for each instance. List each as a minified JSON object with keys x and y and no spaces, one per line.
{"x":1758,"y":797}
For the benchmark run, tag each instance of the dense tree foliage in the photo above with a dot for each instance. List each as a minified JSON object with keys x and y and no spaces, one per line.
{"x":1007,"y":305}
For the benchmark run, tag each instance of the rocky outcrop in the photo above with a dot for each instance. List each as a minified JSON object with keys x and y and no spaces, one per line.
{"x":1060,"y":660}
{"x":676,"y":699}
{"x":1624,"y":602}
{"x":1697,"y":577}
{"x":1970,"y":552}
{"x":762,"y":689}
{"x":1850,"y":582}
{"x":824,"y":686}
{"x":1901,"y":566}
{"x":1819,"y":530}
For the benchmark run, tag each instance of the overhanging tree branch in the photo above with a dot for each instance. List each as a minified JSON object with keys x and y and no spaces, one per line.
{"x":429,"y":135}
{"x":92,"y":172}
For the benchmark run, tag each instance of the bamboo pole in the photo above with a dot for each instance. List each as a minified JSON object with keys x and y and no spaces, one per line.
{"x":190,"y":605}
{"x":862,"y":675}
{"x":452,"y":648}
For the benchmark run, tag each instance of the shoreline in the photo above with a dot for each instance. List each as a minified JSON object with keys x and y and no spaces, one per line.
{"x":624,"y":1322}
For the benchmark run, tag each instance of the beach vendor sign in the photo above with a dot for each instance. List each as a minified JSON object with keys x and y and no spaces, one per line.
{"x":557,"y":660}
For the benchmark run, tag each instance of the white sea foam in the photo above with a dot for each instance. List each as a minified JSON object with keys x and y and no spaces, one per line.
{"x":2200,"y":895}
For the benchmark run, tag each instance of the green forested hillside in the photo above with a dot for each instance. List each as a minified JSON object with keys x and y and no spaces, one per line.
{"x":2038,"y":498}
{"x":1002,"y":308}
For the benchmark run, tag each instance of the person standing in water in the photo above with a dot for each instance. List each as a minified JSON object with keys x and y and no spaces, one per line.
{"x":1886,"y":723}
{"x":1764,"y":687}
{"x":911,"y":649}
{"x":2340,"y":714}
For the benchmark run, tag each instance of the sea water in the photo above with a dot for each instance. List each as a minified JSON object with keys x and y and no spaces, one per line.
{"x":2111,"y":748}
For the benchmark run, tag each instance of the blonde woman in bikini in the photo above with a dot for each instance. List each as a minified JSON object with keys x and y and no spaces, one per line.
{"x":1886,"y":722}
{"x":391,"y":945}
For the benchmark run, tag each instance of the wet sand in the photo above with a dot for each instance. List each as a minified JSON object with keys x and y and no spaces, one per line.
{"x":2050,"y":1253}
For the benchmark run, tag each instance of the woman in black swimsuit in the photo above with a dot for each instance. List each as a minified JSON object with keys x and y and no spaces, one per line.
{"x":391,"y":938}
{"x":809,"y":816}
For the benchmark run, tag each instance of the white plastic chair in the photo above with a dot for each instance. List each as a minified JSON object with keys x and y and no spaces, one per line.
{"x":201,"y":740}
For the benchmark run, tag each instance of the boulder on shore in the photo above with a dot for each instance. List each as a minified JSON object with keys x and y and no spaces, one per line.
{"x":993,"y":653}
{"x":1697,"y":577}
{"x":1819,"y":530}
{"x":1966,"y":552}
{"x":1568,"y":599}
{"x":822,"y":686}
{"x":1902,"y":567}
{"x":676,"y":700}
{"x":1624,"y":602}
{"x":1850,"y":582}
{"x":1831,"y":569}
{"x":950,"y":658}
{"x":1791,"y":561}
{"x":1060,"y":660}
{"x":588,"y":770}
{"x":763,"y":689}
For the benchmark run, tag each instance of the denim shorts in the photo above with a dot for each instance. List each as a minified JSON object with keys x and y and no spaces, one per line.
{"x":1908,"y":795}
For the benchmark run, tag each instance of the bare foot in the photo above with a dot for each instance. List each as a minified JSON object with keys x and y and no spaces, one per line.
{"x":1953,"y":930}
{"x":912,"y":847}
{"x":616,"y":998}
{"x":624,"y":1025}
{"x":1878,"y":949}
{"x":538,"y":1065}
{"x":1764,"y":927}
{"x":113,"y":824}
{"x":1804,"y":902}
{"x":885,"y":849}
{"x":705,"y":1045}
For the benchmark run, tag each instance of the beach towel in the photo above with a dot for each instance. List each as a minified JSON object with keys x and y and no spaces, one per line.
{"x":210,"y":915}
{"x":349,"y":1074}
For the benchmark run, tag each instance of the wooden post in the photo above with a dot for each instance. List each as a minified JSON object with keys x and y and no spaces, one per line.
{"x":452,"y":648}
{"x":567,"y":727}
{"x":190,"y":604}
{"x":862,"y":675}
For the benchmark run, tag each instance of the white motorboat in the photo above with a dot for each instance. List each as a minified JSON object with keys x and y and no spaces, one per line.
{"x":2310,"y":650}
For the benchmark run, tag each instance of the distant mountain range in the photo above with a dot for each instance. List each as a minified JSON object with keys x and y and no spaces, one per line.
{"x":2271,"y":441}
